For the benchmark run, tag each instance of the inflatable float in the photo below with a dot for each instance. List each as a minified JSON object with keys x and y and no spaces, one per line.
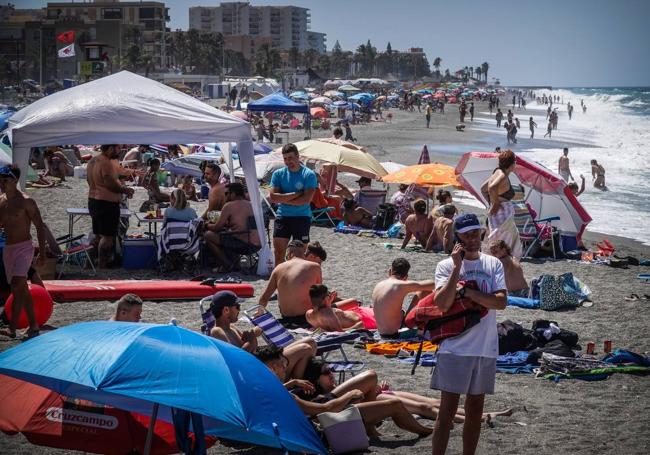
{"x":84,"y":290}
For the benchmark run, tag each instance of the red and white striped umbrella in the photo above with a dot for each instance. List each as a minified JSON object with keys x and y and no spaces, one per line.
{"x":546,"y":192}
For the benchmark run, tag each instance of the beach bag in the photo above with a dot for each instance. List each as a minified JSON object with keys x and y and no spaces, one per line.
{"x":436,"y":325}
{"x":555,"y":347}
{"x":344,"y":430}
{"x":513,"y":337}
{"x":553,"y":295}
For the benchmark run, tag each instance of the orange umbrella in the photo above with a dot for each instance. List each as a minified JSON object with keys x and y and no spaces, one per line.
{"x":432,"y":174}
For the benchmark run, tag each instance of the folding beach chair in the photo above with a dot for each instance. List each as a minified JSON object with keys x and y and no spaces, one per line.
{"x":371,"y":199}
{"x":206,"y":315}
{"x":74,"y":252}
{"x":323,"y":216}
{"x":276,"y":334}
{"x":533,"y":233}
{"x":177,"y":245}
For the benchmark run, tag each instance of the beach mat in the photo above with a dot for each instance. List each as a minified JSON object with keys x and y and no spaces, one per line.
{"x":84,"y":290}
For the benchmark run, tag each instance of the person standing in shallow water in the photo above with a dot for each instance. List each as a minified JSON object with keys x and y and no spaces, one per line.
{"x":532,"y":125}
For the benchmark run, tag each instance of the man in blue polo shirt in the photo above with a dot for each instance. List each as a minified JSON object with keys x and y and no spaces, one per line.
{"x":292,"y":189}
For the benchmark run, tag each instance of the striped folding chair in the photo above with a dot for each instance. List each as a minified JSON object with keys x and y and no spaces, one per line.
{"x":326,"y":343}
{"x":74,"y":252}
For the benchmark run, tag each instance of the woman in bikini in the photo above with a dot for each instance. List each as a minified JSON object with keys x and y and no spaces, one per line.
{"x":598,"y":175}
{"x":498,"y":191}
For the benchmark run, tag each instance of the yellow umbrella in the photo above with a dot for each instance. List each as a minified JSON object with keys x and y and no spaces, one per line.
{"x":433,"y":174}
{"x":346,"y":156}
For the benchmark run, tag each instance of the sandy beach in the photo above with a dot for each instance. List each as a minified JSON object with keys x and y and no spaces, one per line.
{"x":571,"y":416}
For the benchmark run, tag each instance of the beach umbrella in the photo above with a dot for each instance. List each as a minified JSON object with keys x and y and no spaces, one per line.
{"x":348,"y":88}
{"x":318,"y":112}
{"x":334,"y":94}
{"x":346,"y":156}
{"x":424,"y":156}
{"x":48,"y":418}
{"x":362,"y":97}
{"x":392,"y":166}
{"x":432,"y":174}
{"x":265,"y":165}
{"x":255,"y":95}
{"x":546,"y":192}
{"x":153,"y":369}
{"x":299,"y":95}
{"x":321,"y":100}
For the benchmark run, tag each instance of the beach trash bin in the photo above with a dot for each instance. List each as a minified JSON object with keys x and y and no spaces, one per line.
{"x":139,"y":254}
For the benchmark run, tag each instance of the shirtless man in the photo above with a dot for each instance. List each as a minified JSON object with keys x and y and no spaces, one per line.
{"x":292,"y":279}
{"x":418,"y":225}
{"x":104,"y":193}
{"x":442,"y":234}
{"x":323,"y":316}
{"x":563,"y":166}
{"x":57,"y":163}
{"x":514,"y":274}
{"x":388,"y":297}
{"x":17,"y":213}
{"x":355,"y":215}
{"x":234,"y":217}
{"x":598,"y":175}
{"x":532,"y":125}
{"x":225,"y":308}
{"x":217,"y":194}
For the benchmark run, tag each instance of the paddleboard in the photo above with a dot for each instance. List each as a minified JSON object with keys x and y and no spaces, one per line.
{"x":84,"y":290}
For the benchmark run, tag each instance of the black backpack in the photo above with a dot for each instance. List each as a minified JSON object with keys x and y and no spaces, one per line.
{"x":385,"y":216}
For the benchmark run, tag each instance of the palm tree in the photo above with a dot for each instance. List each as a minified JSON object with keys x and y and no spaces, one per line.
{"x":478,"y":72}
{"x":133,"y":57}
{"x":294,"y":57}
{"x":310,"y":57}
{"x":485,"y":66}
{"x":267,"y":59}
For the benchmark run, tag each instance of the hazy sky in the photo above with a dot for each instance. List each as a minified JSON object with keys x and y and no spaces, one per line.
{"x":554,"y":42}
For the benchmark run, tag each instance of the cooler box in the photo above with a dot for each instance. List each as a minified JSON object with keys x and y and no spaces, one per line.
{"x":80,"y":172}
{"x":139,"y":254}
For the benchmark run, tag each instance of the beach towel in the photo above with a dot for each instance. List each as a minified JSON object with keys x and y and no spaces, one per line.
{"x":367,"y":316}
{"x":522,"y":302}
{"x":392,"y":348}
{"x":511,"y":363}
{"x":438,"y":325}
{"x":502,"y":227}
{"x":341,"y":228}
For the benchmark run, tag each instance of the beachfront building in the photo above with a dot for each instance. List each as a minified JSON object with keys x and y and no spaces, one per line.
{"x":287,"y":27}
{"x":107,"y":33}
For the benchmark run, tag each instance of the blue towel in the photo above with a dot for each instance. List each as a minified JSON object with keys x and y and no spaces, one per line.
{"x":523,"y":302}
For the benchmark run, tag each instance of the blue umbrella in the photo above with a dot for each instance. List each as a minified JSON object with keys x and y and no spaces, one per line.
{"x":340,"y":104}
{"x":150,"y":368}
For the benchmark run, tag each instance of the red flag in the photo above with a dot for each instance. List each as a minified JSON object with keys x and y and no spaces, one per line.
{"x":66,"y":37}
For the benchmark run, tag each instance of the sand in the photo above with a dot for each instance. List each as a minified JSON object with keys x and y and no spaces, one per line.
{"x":611,"y":416}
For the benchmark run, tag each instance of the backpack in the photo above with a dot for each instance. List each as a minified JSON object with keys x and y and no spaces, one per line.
{"x":513,"y":337}
{"x":385,"y":217}
{"x":426,"y":316}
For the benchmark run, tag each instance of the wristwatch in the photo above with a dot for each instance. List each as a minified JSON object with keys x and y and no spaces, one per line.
{"x":461,"y":292}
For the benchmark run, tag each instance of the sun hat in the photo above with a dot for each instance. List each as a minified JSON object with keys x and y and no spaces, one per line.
{"x":466,"y":222}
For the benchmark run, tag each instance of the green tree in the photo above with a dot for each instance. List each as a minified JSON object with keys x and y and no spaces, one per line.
{"x":478,"y":72}
{"x":310,"y":57}
{"x":324,"y":65}
{"x":267,"y":59}
{"x":133,"y":57}
{"x":294,"y":57}
{"x":339,"y":61}
{"x":485,"y":66}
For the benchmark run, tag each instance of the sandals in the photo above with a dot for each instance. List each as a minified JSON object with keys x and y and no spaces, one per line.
{"x":635,"y":297}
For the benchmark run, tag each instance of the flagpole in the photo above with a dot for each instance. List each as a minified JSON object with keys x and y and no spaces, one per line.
{"x":40,"y":58}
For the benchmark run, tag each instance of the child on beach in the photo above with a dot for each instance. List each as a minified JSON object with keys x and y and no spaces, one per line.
{"x":188,"y":187}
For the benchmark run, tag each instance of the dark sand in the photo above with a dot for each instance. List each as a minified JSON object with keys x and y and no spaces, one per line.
{"x":611,"y":416}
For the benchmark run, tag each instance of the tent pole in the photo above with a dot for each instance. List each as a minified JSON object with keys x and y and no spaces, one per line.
{"x":152,"y":424}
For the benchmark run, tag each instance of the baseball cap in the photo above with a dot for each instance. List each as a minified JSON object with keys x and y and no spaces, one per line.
{"x":466,"y":222}
{"x":224,"y":299}
{"x":5,"y":171}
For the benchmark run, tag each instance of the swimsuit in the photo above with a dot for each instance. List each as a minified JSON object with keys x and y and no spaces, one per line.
{"x":17,"y":259}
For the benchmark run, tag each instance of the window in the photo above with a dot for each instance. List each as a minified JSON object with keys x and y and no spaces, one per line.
{"x":112,"y":13}
{"x":146,"y":13}
{"x":93,"y":53}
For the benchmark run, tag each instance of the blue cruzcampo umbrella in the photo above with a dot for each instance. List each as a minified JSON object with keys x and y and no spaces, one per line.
{"x":153,"y":369}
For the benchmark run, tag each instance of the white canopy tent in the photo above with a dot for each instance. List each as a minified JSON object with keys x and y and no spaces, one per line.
{"x":131,"y":109}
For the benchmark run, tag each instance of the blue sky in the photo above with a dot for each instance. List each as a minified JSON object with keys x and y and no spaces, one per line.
{"x":554,"y":42}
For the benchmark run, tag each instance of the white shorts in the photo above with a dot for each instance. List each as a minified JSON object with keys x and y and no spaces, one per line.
{"x":465,"y":375}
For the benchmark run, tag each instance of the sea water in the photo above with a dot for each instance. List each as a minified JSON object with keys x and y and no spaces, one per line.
{"x":614,"y":130}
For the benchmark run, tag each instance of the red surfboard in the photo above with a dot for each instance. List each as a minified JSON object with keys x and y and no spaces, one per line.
{"x":83,"y":290}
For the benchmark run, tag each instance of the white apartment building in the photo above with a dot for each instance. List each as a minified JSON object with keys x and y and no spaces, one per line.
{"x":287,"y":26}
